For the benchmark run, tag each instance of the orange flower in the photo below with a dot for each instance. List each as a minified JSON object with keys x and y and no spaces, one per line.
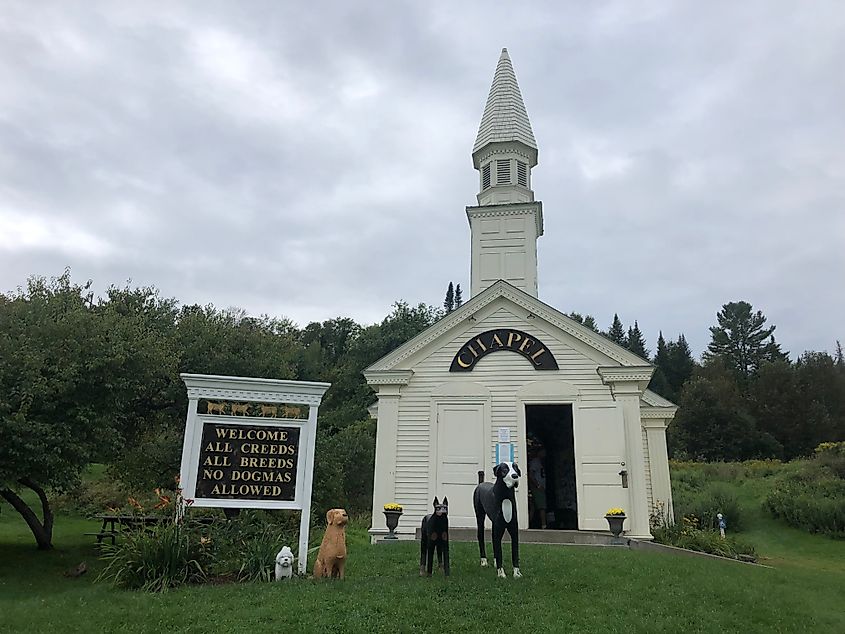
{"x":132,"y":501}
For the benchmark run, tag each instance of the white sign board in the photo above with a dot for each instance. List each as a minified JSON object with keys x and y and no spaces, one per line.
{"x":252,"y":446}
{"x":504,"y":434}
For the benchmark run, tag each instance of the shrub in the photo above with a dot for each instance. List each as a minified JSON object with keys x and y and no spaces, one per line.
{"x":92,"y":497}
{"x":154,"y":560}
{"x":686,"y":534}
{"x":344,"y":478}
{"x":704,"y":504}
{"x":817,"y":506}
{"x":245,"y":546}
{"x":811,"y":495}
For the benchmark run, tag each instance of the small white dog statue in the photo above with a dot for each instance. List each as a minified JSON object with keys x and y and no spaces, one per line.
{"x":284,"y":564}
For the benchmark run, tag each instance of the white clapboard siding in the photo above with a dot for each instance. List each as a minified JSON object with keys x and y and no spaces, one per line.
{"x":503,"y":374}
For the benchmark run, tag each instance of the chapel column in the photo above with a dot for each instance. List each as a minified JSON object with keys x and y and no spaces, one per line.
{"x":627,"y":385}
{"x":661,"y":485}
{"x":387,"y":426}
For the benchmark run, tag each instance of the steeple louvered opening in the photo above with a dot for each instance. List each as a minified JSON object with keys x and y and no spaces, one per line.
{"x":522,"y":173}
{"x":485,"y":176}
{"x":503,"y":172}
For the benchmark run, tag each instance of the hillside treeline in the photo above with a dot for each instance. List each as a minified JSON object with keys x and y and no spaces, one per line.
{"x":745,"y":398}
{"x":86,"y":378}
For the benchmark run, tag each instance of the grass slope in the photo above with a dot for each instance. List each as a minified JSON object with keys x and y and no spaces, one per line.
{"x":565,"y":589}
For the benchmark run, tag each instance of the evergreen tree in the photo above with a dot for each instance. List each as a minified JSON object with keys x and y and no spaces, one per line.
{"x":589,"y":321}
{"x":459,"y":298}
{"x":617,"y":332}
{"x":659,"y":383}
{"x":449,"y":302}
{"x":636,"y":343}
{"x":680,"y":365}
{"x":739,"y":340}
{"x":839,"y":358}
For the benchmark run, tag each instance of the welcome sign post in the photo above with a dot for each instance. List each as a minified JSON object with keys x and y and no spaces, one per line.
{"x":249,"y":443}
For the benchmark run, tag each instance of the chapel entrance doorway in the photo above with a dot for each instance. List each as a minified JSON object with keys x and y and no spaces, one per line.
{"x":552,"y":487}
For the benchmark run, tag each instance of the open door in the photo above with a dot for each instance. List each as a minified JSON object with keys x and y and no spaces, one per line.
{"x":600,"y":453}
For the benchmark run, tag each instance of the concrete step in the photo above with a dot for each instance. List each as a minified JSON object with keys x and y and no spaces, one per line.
{"x":541,"y":536}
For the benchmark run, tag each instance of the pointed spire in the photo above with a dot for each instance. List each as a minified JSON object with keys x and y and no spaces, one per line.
{"x":505,"y":118}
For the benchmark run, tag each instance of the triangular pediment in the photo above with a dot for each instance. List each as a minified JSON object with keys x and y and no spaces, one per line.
{"x":527,"y":311}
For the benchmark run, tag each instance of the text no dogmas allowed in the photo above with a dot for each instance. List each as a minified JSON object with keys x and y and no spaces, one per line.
{"x":250,"y":462}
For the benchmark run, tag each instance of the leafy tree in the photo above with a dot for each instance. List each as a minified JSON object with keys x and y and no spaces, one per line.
{"x":459,"y":297}
{"x":713,"y":422}
{"x":75,"y":377}
{"x":740,"y":340}
{"x":821,"y":386}
{"x":635,"y":342}
{"x":775,"y":403}
{"x":617,"y":332}
{"x":589,"y":321}
{"x":449,"y":302}
{"x":347,"y":400}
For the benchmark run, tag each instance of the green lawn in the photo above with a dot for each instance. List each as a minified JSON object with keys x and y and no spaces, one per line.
{"x":578,"y":589}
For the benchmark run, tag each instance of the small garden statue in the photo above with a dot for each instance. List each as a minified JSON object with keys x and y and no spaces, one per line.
{"x":284,"y":563}
{"x":722,"y":524}
{"x":434,"y":536}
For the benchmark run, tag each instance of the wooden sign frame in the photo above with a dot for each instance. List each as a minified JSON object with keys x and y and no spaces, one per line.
{"x":254,"y":390}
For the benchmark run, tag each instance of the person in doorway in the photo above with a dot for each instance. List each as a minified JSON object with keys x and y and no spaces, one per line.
{"x":537,"y":485}
{"x":566,"y":489}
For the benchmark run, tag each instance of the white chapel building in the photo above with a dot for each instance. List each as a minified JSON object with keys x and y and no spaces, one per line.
{"x":508,"y":376}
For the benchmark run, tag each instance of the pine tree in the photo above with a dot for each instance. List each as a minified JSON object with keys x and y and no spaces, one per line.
{"x":617,"y":332}
{"x":838,"y":357}
{"x":589,"y":321}
{"x":659,"y":383}
{"x":739,"y":341}
{"x":636,"y":342}
{"x":459,"y":299}
{"x":449,"y":302}
{"x":680,"y":364}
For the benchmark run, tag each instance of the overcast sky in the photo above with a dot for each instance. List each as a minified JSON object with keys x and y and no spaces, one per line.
{"x":311,"y":160}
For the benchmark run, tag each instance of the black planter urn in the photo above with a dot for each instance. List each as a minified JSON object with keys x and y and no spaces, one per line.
{"x":615,"y":523}
{"x":392,"y":520}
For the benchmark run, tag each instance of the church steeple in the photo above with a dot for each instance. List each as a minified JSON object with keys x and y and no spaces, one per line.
{"x":507,"y":221}
{"x":505,"y":149}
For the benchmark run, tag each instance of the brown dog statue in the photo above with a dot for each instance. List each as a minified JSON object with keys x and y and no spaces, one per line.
{"x":331,"y":559}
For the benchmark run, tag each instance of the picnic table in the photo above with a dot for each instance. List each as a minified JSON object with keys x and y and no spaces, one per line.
{"x":113,"y":525}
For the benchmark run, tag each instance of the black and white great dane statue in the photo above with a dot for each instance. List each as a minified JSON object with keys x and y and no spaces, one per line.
{"x":497,"y":502}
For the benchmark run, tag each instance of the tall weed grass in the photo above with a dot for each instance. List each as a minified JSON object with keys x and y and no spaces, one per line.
{"x":158,"y":558}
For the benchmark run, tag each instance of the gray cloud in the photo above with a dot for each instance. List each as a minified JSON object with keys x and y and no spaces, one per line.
{"x":314,"y":161}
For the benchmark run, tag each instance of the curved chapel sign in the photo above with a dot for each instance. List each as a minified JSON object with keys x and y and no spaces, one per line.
{"x":503,"y":339}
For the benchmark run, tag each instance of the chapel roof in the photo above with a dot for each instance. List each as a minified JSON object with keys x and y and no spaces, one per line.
{"x":505,"y":118}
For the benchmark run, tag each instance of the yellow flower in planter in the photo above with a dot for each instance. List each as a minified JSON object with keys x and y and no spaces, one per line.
{"x":615,"y":511}
{"x":392,"y":506}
